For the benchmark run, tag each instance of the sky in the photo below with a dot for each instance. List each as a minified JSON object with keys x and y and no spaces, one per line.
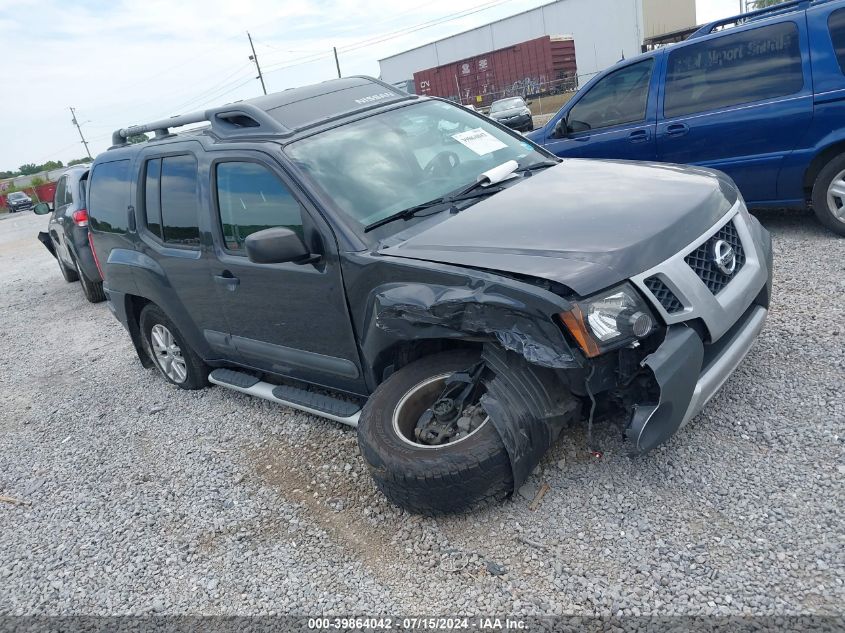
{"x":120,"y":62}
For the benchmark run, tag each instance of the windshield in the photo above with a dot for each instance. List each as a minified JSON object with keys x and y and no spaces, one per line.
{"x":376,"y":167}
{"x":16,"y":195}
{"x":507,"y":104}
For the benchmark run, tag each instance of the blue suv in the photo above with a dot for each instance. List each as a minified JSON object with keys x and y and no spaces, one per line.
{"x":760,"y":97}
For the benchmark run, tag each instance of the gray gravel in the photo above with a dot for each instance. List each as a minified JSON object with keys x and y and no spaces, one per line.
{"x":142,"y":498}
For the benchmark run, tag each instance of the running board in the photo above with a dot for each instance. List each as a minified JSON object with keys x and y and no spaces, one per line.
{"x":314,"y":403}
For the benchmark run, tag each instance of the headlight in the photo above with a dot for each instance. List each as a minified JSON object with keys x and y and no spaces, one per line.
{"x":611,"y":319}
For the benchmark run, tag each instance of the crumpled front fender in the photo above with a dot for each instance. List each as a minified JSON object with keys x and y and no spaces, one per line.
{"x":676,"y":366}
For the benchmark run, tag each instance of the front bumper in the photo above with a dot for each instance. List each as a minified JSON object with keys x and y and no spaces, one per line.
{"x":688,"y":374}
{"x":517,"y":122}
{"x":706,"y":340}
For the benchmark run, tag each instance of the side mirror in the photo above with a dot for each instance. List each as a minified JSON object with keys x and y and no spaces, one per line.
{"x":561,"y":129}
{"x":277,"y":245}
{"x":42,"y":208}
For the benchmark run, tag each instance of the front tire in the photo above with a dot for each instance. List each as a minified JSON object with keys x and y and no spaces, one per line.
{"x":170,"y":353}
{"x":452,"y":477}
{"x":829,"y":195}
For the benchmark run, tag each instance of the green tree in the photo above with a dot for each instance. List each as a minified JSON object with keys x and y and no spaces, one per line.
{"x":29,"y":168}
{"x":9,"y":174}
{"x":137,"y":138}
{"x":78,"y":161}
{"x":51,"y":164}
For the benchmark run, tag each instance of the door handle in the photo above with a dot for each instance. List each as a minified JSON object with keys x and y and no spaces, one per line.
{"x":639,"y":136}
{"x":677,"y":129}
{"x":227,"y":279}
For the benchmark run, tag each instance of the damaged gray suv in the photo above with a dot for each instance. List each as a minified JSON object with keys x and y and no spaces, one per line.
{"x":400,"y":264}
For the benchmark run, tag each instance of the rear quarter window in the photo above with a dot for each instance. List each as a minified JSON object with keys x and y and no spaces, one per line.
{"x":745,"y":67}
{"x":108,"y":197}
{"x":836,"y":23}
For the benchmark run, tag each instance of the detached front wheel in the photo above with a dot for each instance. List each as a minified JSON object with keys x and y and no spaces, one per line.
{"x":430,"y":446}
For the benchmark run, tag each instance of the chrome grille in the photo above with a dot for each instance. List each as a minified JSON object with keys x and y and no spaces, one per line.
{"x":663,"y":294}
{"x":701,"y":259}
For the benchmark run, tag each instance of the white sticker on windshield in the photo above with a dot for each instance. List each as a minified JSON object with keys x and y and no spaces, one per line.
{"x":479,"y":141}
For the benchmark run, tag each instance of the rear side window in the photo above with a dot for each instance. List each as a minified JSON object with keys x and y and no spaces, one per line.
{"x":250,"y":198}
{"x":108,"y":197}
{"x":734,"y":69}
{"x":179,"y":200}
{"x":170,"y":199}
{"x":836,"y":23}
{"x":152,"y":197}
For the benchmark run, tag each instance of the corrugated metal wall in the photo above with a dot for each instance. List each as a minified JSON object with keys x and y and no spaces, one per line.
{"x":540,"y":65}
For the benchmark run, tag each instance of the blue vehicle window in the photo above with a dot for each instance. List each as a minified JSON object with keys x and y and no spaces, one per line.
{"x":836,"y":23}
{"x":619,"y":98}
{"x":734,"y":69}
{"x":108,"y":197}
{"x":250,"y":198}
{"x":179,"y":200}
{"x":152,"y":196}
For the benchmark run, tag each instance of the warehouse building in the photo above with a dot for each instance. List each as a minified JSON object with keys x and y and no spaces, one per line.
{"x":548,"y":49}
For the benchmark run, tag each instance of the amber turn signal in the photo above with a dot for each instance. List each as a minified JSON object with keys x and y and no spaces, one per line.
{"x":574,"y":322}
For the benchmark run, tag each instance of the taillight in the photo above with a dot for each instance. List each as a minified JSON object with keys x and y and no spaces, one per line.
{"x":94,"y":253}
{"x":80,"y":217}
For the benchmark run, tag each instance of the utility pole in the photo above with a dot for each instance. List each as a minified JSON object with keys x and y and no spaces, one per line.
{"x":336,"y":62}
{"x":79,"y":129}
{"x":254,"y":58}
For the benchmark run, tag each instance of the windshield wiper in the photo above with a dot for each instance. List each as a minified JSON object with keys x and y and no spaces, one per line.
{"x":483,"y":186}
{"x":539,"y":165}
{"x":467,"y":193}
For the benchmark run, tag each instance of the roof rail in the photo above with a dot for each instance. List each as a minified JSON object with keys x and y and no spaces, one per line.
{"x":237,"y":119}
{"x":783,"y":7}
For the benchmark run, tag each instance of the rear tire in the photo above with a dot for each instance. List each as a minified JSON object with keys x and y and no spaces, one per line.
{"x":170,"y":353}
{"x":829,"y":195}
{"x":68,"y":273}
{"x":93,"y":290}
{"x":454,"y":477}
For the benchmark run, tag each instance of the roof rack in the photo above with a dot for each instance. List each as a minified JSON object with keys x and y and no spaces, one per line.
{"x":784,"y":7}
{"x":238,"y":119}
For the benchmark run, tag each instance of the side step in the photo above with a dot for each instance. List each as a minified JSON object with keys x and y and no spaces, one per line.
{"x":314,"y":403}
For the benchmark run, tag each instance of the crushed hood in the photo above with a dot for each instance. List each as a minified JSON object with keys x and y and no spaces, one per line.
{"x":586,"y":224}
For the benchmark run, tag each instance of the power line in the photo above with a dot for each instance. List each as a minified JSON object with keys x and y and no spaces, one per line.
{"x":377,"y":39}
{"x":425,"y":25}
{"x":223,"y":83}
{"x":216,"y":97}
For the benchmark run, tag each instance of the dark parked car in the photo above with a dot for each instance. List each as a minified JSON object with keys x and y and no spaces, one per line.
{"x":760,"y":97}
{"x":18,"y":201}
{"x":67,"y":235}
{"x":475,"y":294}
{"x":513,"y":112}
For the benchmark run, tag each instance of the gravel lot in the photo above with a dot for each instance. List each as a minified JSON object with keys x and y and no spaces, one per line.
{"x":146,"y":499}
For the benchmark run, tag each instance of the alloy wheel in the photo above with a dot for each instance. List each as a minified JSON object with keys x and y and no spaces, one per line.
{"x":168,"y":355}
